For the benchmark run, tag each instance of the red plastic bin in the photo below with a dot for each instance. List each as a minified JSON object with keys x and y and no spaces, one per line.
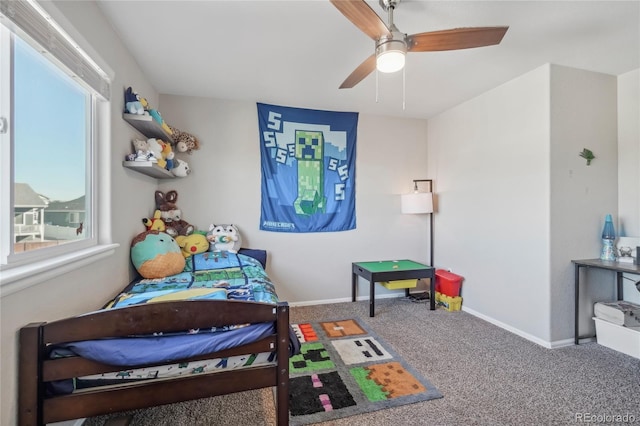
{"x":448,"y":283}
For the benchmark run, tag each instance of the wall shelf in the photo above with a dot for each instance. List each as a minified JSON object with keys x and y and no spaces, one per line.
{"x":149,"y":127}
{"x":149,"y":168}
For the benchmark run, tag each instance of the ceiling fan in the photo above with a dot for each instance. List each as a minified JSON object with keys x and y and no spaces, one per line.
{"x":392,"y":45}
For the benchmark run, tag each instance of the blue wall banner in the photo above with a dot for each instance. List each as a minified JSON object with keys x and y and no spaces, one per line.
{"x":308,"y":169}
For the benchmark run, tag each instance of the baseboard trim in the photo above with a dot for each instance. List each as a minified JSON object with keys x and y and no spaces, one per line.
{"x":562,"y":343}
{"x":77,"y":422}
{"x":530,"y":337}
{"x":345,"y":299}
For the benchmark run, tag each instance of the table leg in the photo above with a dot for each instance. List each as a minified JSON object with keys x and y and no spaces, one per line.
{"x":576,"y":334}
{"x":372,"y":299}
{"x":619,"y":277}
{"x":354,"y":285}
{"x":432,"y":291}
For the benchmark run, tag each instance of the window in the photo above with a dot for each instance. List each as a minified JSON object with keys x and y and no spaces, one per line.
{"x":53,"y":97}
{"x":52,"y":117}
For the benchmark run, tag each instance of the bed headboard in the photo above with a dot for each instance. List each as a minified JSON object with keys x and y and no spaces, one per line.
{"x":257,"y":254}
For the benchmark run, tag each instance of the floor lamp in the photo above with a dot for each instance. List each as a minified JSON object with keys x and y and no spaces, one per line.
{"x":420,"y":203}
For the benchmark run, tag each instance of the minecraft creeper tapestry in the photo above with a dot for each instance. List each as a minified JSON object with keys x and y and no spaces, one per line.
{"x":310,"y":157}
{"x":307,"y":161}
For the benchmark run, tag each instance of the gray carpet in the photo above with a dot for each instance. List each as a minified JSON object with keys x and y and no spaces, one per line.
{"x":487,"y":375}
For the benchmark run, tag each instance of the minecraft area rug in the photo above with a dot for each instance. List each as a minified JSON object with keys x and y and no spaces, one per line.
{"x":345,"y":369}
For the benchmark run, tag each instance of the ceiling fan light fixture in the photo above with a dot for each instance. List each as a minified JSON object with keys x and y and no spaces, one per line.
{"x":390,"y":56}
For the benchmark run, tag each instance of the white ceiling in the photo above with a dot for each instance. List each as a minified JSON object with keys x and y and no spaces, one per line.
{"x":297,"y":52}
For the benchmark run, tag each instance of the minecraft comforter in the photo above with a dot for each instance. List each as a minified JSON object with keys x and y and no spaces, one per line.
{"x":220,"y":275}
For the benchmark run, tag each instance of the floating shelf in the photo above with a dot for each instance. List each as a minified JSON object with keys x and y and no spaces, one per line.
{"x":149,"y":127}
{"x":149,"y":168}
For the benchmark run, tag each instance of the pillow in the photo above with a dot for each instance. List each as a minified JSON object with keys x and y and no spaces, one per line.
{"x":259,"y":255}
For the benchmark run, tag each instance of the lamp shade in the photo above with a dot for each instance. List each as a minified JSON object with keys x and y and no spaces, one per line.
{"x":417,"y":203}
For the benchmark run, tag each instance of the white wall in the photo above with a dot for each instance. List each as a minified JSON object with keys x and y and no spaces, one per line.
{"x":516,"y":204}
{"x":224,"y":187}
{"x":629,"y":153}
{"x":489,"y":157}
{"x":583,"y":115}
{"x":629,"y":166}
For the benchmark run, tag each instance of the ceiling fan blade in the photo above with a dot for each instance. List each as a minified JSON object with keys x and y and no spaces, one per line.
{"x":363,"y":70}
{"x":363,"y":17}
{"x":458,"y":38}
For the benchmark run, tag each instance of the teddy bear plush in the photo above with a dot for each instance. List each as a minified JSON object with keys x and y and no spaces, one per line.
{"x":140,"y":145}
{"x":224,"y":238}
{"x":172,"y":215}
{"x":142,"y":152}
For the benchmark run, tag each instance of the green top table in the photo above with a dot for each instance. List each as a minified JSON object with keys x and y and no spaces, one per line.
{"x":391,"y":270}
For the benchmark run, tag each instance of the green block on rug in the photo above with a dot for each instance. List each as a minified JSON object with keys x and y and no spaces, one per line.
{"x":371,"y":389}
{"x":313,"y":357}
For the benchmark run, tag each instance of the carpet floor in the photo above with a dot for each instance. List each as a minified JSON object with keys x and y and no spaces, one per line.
{"x":488,"y":376}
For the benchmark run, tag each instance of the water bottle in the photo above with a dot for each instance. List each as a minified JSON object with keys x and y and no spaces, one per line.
{"x":608,"y":240}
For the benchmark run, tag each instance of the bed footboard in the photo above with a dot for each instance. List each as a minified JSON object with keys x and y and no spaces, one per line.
{"x":35,"y":369}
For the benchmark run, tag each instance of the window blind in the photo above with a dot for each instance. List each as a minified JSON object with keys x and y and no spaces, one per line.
{"x":27,"y":18}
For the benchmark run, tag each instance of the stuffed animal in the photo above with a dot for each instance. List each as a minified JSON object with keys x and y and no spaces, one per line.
{"x":156,"y":255}
{"x":180,"y":168}
{"x":155,"y":114}
{"x":171,"y":214}
{"x":224,"y":238}
{"x":132,"y":103}
{"x":170,"y":160}
{"x":155,"y":223}
{"x":156,"y":146}
{"x":169,"y":155}
{"x":192,"y":244}
{"x":185,"y":142}
{"x":158,"y":118}
{"x":142,"y":151}
{"x":140,"y":145}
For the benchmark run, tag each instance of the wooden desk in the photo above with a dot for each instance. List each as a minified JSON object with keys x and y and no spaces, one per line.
{"x":618,"y":267}
{"x":391,"y":270}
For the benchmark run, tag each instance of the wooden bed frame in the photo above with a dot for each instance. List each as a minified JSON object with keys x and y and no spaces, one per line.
{"x":35,"y":369}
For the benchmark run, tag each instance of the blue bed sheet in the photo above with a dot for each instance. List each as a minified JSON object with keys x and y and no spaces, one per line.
{"x":160,"y":349}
